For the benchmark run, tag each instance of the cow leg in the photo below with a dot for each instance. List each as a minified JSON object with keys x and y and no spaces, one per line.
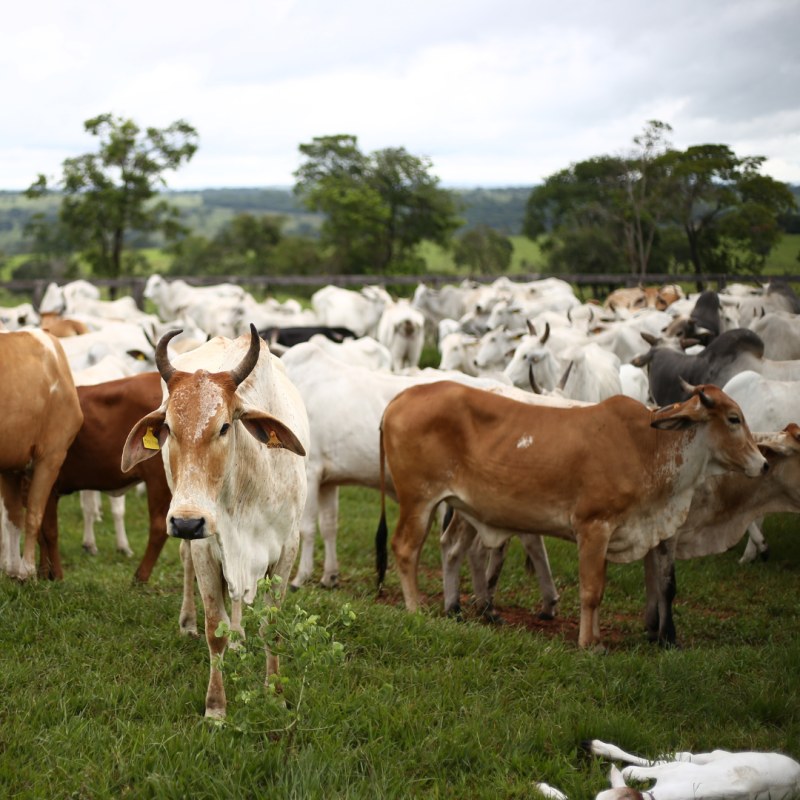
{"x":90,"y":505}
{"x":455,"y":541}
{"x":49,"y":558}
{"x":308,"y":530}
{"x":413,"y":525}
{"x":667,"y":589}
{"x":651,"y":595}
{"x":188,"y":618}
{"x":118,"y":513}
{"x":537,"y":555}
{"x":13,"y":522}
{"x":756,"y":544}
{"x":44,"y":476}
{"x":592,"y":545}
{"x":282,"y":569}
{"x":212,"y":590}
{"x":3,"y":537}
{"x":328,"y":528}
{"x":484,"y":579}
{"x":158,"y":500}
{"x":236,"y":621}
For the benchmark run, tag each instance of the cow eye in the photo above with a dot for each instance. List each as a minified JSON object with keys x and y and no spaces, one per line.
{"x":734,"y":420}
{"x":224,"y":429}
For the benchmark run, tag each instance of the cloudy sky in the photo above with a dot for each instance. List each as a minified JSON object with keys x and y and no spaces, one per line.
{"x":497,"y":92}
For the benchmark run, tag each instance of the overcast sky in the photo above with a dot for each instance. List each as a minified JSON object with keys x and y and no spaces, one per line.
{"x":496,"y":92}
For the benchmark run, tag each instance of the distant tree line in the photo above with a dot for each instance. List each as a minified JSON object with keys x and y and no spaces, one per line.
{"x":650,"y":209}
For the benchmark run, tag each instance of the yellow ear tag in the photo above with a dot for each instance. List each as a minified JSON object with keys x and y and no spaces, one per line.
{"x":274,"y":441}
{"x":149,"y":441}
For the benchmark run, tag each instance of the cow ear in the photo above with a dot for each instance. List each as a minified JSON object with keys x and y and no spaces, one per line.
{"x":269,"y":430}
{"x":677,"y":422}
{"x":145,"y":440}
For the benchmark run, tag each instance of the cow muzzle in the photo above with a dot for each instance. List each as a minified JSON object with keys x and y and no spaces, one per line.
{"x":188,"y":528}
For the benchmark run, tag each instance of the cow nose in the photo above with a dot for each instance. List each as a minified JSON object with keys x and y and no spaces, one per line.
{"x":192,"y":528}
{"x":765,"y":468}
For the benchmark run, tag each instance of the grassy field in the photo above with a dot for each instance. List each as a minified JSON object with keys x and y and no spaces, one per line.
{"x":101,"y":698}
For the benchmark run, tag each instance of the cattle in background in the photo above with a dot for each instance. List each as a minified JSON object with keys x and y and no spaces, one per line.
{"x":93,"y":461}
{"x":17,"y":317}
{"x":402,"y":331}
{"x":459,"y":351}
{"x":289,"y":337}
{"x":124,"y":340}
{"x":614,"y":477}
{"x":780,"y":332}
{"x":61,"y":299}
{"x":644,"y":297}
{"x":359,"y":311}
{"x":729,"y":354}
{"x":172,"y":298}
{"x":438,"y":305}
{"x":233,"y":434}
{"x":264,"y":316}
{"x":364,"y":352}
{"x":776,"y":296}
{"x":721,"y":511}
{"x":63,"y":327}
{"x":767,"y":406}
{"x":41,"y":417}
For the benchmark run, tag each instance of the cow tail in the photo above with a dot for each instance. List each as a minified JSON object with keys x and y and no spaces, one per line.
{"x":381,"y":554}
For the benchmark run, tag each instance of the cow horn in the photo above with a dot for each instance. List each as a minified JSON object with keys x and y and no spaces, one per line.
{"x":563,"y":382}
{"x":149,"y":340}
{"x":763,"y":311}
{"x":162,"y":358}
{"x":546,"y":333}
{"x":247,"y":364}
{"x":569,"y":317}
{"x":686,"y":386}
{"x":535,"y":386}
{"x":707,"y":401}
{"x":649,"y":338}
{"x":531,"y":329}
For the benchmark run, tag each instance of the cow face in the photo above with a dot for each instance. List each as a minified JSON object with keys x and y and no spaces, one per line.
{"x":199,"y":424}
{"x":731,"y":445}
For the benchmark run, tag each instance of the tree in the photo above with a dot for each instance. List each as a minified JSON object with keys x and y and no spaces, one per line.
{"x":378,"y":207}
{"x":484,"y":250}
{"x":246,"y":245}
{"x":610,"y":210}
{"x":108,"y":194}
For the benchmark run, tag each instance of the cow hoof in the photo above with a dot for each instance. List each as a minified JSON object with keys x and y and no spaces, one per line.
{"x":333,"y":583}
{"x":126,"y":551}
{"x":676,"y":645}
{"x":493,"y":618}
{"x":92,"y":551}
{"x":545,"y":616}
{"x":765,"y":553}
{"x":455,"y":613}
{"x":293,"y":588}
{"x":215,"y":713}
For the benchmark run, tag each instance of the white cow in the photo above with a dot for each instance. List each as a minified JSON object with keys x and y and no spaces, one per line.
{"x":402,"y":331}
{"x":16,"y":317}
{"x":172,"y":298}
{"x":265,"y":315}
{"x":719,"y":775}
{"x":767,"y":406}
{"x":780,"y":332}
{"x":459,"y":351}
{"x":122,"y":339}
{"x":111,"y":368}
{"x":364,"y":352}
{"x":359,"y":311}
{"x":60,"y":299}
{"x":233,"y":434}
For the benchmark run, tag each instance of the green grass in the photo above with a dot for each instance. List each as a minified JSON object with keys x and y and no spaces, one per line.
{"x":101,"y":698}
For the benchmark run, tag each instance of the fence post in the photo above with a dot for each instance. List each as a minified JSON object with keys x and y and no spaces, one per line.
{"x":137,"y":290}
{"x":38,"y":292}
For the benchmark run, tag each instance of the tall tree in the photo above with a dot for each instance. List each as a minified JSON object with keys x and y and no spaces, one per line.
{"x":109,"y":194}
{"x":484,"y":250}
{"x":378,"y":207}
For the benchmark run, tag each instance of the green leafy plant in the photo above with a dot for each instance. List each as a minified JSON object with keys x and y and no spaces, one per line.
{"x":304,"y":643}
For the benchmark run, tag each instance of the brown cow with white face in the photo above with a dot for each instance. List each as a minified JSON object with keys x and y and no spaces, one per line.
{"x":40,"y":418}
{"x":230,"y":429}
{"x":615,"y":477}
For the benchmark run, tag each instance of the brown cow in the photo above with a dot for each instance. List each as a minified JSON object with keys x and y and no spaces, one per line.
{"x":644,"y":297}
{"x":110,"y":410}
{"x":41,"y":416}
{"x":615,"y":477}
{"x":62,"y":327}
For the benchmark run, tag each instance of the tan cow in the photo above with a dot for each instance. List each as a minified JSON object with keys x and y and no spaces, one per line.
{"x":644,"y":297}
{"x":40,"y":418}
{"x":62,"y":327}
{"x":231,"y":426}
{"x":615,"y":477}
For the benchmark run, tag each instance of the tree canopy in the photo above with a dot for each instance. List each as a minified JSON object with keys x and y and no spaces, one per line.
{"x":657,"y":206}
{"x":109,"y":194}
{"x":484,"y":250}
{"x":378,"y":206}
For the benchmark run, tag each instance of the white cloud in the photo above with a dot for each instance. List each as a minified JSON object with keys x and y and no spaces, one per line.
{"x":495,"y":93}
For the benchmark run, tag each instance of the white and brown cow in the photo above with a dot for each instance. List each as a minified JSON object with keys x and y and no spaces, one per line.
{"x":233,"y":434}
{"x":41,"y":416}
{"x":615,"y":477}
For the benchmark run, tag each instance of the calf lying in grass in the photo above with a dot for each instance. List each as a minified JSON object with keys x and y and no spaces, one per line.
{"x":705,"y":776}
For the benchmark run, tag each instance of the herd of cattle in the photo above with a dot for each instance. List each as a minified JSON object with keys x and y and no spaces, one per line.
{"x":601,"y":424}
